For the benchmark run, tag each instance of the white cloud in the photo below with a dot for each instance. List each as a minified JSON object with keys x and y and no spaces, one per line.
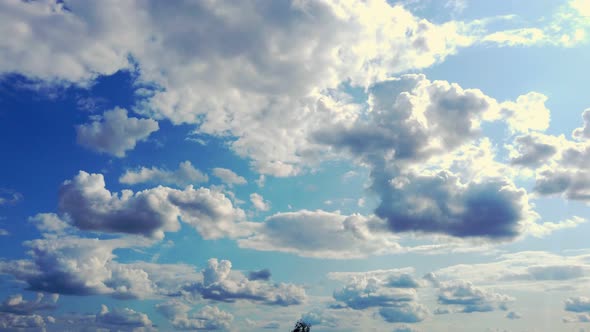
{"x":208,"y":318}
{"x":186,"y":174}
{"x":259,"y":203}
{"x":228,"y":176}
{"x":115,"y":133}
{"x":17,"y":305}
{"x":122,"y":317}
{"x":329,"y":234}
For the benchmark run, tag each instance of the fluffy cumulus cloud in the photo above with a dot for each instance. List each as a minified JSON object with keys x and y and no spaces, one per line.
{"x":122,"y":317}
{"x":208,"y":318}
{"x":392,"y":292}
{"x":11,"y":322}
{"x":272,"y":65}
{"x":470,"y":298}
{"x":17,"y":305}
{"x":82,"y":266}
{"x":115,"y":133}
{"x":412,"y":129}
{"x":87,"y":204}
{"x":185,"y":175}
{"x":558,"y":164}
{"x":330,"y":234}
{"x":220,"y":283}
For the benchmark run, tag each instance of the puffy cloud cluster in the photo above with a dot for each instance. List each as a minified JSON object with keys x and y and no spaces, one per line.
{"x":87,"y":204}
{"x":470,"y":298}
{"x":185,"y":175}
{"x":208,"y":318}
{"x":18,"y":322}
{"x":392,"y":292}
{"x":82,"y":266}
{"x":115,"y":133}
{"x":122,"y":317}
{"x":17,"y":305}
{"x":268,"y":78}
{"x":220,"y":283}
{"x":559,"y":164}
{"x":18,"y":313}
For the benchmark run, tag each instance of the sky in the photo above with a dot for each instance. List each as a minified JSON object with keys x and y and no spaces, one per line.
{"x":403,"y":166}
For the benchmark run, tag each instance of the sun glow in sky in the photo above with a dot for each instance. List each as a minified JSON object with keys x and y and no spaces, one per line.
{"x":373,"y":165}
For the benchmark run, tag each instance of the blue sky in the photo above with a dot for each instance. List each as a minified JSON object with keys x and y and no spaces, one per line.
{"x":377,"y":165}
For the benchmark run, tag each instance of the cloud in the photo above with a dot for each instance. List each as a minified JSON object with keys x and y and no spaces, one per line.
{"x":583,"y":132}
{"x":259,"y":275}
{"x":122,"y":317}
{"x":581,"y":318}
{"x":471,"y":298}
{"x":259,"y":203}
{"x":577,"y":304}
{"x":82,"y":266}
{"x":559,"y":164}
{"x":220,"y":283}
{"x":4,"y":232}
{"x":186,"y":174}
{"x":228,"y":176}
{"x":49,"y":223}
{"x":330,"y":234}
{"x":17,"y":322}
{"x":15,"y":304}
{"x":406,"y":313}
{"x":115,"y":133}
{"x":87,"y":204}
{"x":392,"y":292}
{"x":524,"y":271}
{"x":208,"y":318}
{"x":320,"y":318}
{"x":412,"y":137}
{"x":9,"y":197}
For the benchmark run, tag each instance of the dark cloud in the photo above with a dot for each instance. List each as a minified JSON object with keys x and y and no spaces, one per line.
{"x":578,"y":304}
{"x":532,"y":151}
{"x":259,"y":275}
{"x":440,"y":203}
{"x":115,"y":133}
